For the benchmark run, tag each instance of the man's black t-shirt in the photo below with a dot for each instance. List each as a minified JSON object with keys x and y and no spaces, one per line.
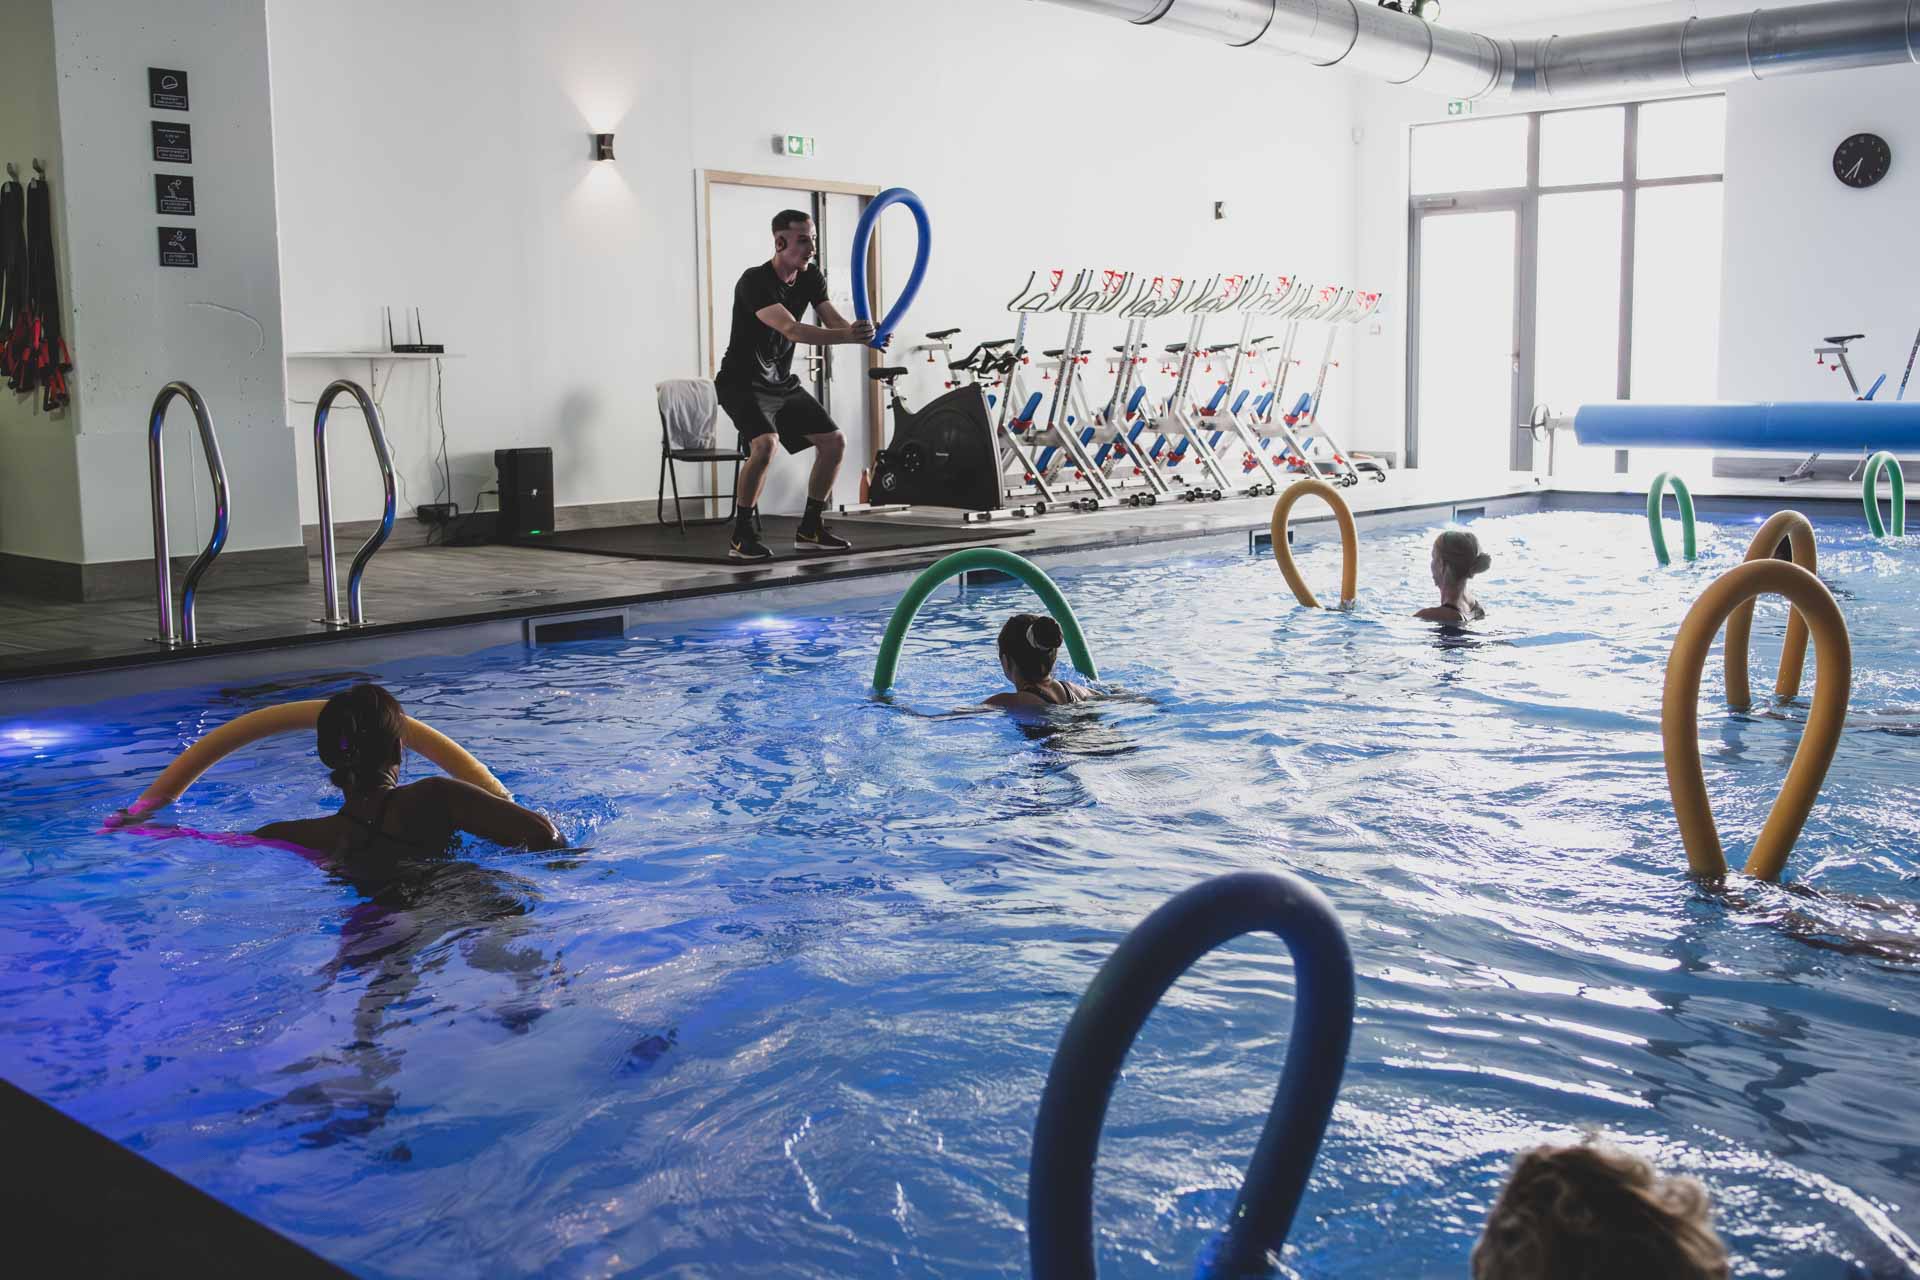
{"x":759,"y":358}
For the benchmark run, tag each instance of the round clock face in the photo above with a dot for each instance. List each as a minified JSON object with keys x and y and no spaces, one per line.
{"x":1862,"y":160}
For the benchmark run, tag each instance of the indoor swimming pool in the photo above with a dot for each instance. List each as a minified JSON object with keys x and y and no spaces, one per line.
{"x":787,"y":1007}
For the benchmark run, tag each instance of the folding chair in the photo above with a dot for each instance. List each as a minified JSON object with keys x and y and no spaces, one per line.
{"x":689,"y":422}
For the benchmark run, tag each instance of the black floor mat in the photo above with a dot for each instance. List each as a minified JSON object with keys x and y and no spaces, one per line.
{"x":708,"y":543}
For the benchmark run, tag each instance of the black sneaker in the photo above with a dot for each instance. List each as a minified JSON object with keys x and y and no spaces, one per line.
{"x":746,"y":545}
{"x":820,"y":538}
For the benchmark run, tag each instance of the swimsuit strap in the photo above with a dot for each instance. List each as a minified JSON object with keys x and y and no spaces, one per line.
{"x":1040,"y":689}
{"x":375,"y":826}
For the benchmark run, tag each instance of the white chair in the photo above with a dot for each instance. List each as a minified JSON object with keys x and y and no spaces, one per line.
{"x":689,"y":427}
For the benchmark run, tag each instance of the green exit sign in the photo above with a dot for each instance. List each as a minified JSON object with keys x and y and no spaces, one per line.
{"x":1460,"y":107}
{"x":792,"y":144}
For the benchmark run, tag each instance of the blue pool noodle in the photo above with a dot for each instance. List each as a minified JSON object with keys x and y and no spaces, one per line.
{"x":1073,"y":1105}
{"x":863,"y":233}
{"x":1803,"y":426}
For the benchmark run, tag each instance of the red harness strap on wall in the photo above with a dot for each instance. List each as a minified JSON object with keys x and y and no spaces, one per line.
{"x":33,"y":352}
{"x":49,"y":355}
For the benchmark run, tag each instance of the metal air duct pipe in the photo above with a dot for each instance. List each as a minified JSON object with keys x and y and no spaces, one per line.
{"x":1667,"y":57}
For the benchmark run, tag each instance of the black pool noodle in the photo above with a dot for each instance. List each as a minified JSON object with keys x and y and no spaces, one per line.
{"x":1073,"y":1106}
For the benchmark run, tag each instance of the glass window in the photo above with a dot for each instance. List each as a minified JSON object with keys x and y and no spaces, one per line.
{"x":1676,"y":293}
{"x":1682,"y":138}
{"x":1582,"y":146}
{"x":1473,"y":155}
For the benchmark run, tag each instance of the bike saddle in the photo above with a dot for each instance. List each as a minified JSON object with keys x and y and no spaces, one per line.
{"x":1844,"y":339}
{"x":1176,"y":348}
{"x":886,"y":375}
{"x":940,"y":335}
{"x":1261,"y":342}
{"x":997,"y":343}
{"x":1055,"y":353}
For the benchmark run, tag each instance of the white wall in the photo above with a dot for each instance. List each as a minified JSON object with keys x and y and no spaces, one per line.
{"x":137,"y":324}
{"x":1807,"y":256}
{"x":39,"y":488}
{"x":444,"y":165}
{"x":1384,"y":115}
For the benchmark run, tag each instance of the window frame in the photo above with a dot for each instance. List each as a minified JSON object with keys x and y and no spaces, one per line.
{"x":1525,"y":201}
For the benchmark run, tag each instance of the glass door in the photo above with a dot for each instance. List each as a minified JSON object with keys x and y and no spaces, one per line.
{"x":1467,"y":390}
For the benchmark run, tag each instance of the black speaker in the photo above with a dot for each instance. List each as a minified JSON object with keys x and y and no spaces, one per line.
{"x":526,"y":492}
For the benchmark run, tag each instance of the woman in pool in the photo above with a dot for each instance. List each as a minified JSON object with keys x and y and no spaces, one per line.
{"x":1029,"y":646}
{"x":359,"y":740}
{"x":1593,"y":1210}
{"x":1456,"y":560}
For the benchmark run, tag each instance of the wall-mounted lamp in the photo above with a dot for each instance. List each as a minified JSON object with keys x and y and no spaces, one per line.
{"x":603,"y":146}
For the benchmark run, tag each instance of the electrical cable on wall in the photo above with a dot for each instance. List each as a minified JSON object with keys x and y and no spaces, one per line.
{"x":440,"y":409}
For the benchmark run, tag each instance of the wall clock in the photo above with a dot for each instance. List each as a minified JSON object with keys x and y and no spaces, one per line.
{"x":1862,"y":160}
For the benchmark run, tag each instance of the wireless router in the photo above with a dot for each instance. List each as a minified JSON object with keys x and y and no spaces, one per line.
{"x":419,"y":347}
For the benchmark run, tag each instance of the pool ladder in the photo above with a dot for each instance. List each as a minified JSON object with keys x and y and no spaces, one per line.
{"x":181,"y":630}
{"x":329,"y":585}
{"x":187,"y":634}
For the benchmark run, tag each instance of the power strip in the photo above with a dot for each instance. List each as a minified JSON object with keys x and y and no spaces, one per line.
{"x":436,"y":512}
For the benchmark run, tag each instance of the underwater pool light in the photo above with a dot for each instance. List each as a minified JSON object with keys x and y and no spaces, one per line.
{"x":28,"y":737}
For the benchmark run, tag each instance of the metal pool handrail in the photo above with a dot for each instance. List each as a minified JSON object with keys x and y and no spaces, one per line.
{"x":356,"y":616}
{"x":1349,"y":541}
{"x":1073,"y":1106}
{"x":1689,"y":544}
{"x":1679,"y":714}
{"x":189,"y":633}
{"x":1870,"y":483}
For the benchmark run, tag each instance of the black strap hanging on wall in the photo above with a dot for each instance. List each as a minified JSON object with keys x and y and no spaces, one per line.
{"x":15,"y":315}
{"x":49,"y":356}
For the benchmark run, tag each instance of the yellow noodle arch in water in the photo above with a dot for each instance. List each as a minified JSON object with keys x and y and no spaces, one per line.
{"x":1680,"y":718}
{"x":1794,"y":527}
{"x":292,"y":717}
{"x":1349,"y":541}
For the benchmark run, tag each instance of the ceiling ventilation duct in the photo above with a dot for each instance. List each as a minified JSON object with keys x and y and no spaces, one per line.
{"x":1667,"y":57}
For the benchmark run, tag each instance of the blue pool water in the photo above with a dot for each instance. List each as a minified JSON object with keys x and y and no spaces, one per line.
{"x":790,"y":1012}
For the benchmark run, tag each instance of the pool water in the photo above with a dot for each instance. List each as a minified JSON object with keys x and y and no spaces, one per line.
{"x":789,"y":1011}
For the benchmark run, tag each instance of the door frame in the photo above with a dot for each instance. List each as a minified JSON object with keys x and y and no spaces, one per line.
{"x":705,"y":180}
{"x":1525,"y":236}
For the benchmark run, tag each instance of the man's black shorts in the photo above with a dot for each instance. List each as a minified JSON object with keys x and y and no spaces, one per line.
{"x":793,"y":415}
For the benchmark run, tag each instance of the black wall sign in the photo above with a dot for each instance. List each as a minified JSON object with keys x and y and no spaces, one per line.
{"x":179,"y":247}
{"x":173,"y":194}
{"x":172,"y":143}
{"x":166,"y":89}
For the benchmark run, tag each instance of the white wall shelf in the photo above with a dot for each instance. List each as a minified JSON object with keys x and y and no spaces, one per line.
{"x":373,"y":355}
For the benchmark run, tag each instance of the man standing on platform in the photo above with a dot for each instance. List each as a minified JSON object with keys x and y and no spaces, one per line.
{"x":760,"y":393}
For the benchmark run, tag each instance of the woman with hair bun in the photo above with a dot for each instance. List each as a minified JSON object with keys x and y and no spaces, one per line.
{"x":1029,"y":646}
{"x":1457,"y":559}
{"x":359,"y":734}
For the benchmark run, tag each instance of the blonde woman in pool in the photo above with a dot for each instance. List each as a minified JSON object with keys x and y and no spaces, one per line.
{"x":1457,"y":559}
